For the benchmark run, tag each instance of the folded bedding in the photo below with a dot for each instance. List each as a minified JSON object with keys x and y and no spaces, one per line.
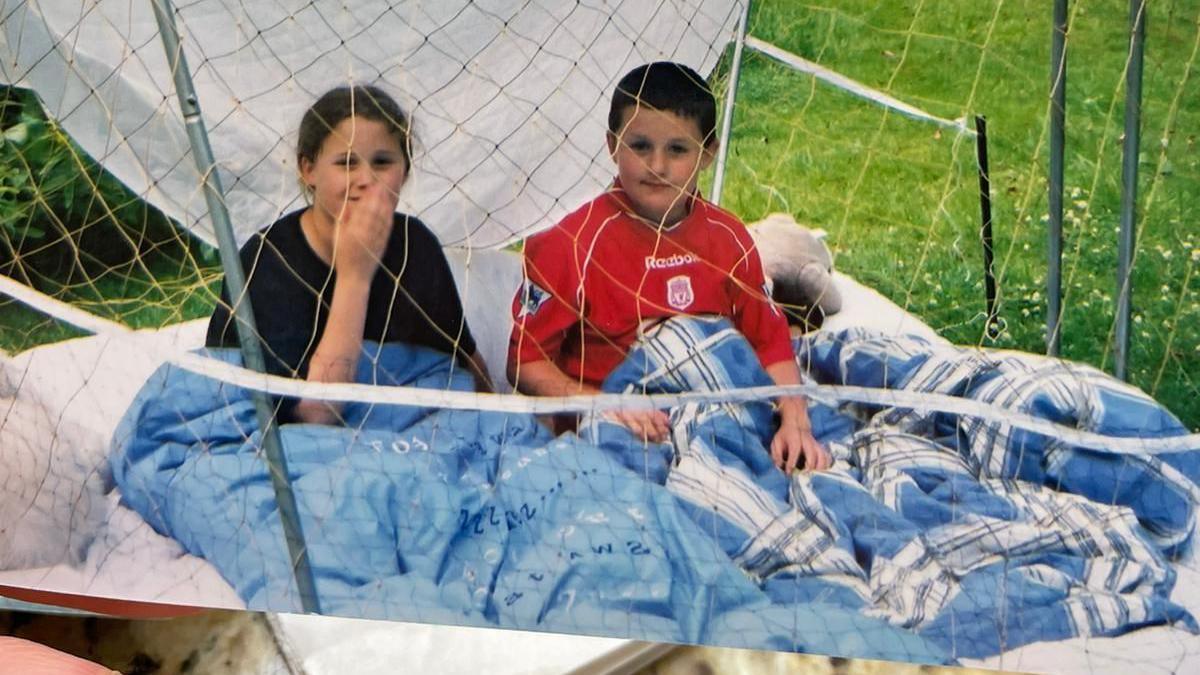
{"x":935,"y":537}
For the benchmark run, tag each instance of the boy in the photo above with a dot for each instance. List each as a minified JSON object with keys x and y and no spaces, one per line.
{"x":646,"y":249}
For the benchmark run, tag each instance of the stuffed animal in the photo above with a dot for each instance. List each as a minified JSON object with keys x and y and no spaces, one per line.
{"x":799,"y":270}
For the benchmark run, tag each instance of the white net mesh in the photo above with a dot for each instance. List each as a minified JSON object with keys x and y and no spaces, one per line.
{"x":981,"y":500}
{"x":502,"y":93}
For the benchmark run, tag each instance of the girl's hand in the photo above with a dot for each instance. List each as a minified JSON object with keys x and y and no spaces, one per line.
{"x":363,"y":230}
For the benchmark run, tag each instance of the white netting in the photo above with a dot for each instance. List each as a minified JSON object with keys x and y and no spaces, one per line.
{"x":982,"y":500}
{"x":504,"y":94}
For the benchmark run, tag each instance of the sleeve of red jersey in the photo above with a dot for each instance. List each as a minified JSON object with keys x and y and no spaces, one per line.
{"x":545,"y":305}
{"x":756,"y":316}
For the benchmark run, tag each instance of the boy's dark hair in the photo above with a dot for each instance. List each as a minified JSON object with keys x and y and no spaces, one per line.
{"x":341,"y":103}
{"x":669,"y":87}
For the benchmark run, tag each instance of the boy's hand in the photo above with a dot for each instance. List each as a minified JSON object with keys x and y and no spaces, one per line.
{"x":794,"y":445}
{"x":649,"y":425}
{"x":363,"y":230}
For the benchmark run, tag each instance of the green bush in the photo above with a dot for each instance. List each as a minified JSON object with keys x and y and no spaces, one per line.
{"x":56,"y":201}
{"x":74,"y":232}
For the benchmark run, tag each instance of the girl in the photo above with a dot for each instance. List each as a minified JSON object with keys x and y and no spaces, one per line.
{"x":347,"y":268}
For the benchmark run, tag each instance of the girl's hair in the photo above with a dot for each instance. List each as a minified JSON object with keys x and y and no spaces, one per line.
{"x":341,"y":103}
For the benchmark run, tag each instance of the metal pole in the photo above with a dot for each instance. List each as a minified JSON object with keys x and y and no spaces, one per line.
{"x":1058,"y":107}
{"x":235,"y":281}
{"x":735,"y":73}
{"x":992,"y":327}
{"x":1129,"y":175}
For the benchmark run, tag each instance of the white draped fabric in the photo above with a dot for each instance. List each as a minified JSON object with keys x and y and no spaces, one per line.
{"x":509,"y":97}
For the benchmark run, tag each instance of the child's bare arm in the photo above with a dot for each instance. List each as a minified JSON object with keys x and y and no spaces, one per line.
{"x":544,"y":378}
{"x":362,"y":235}
{"x":794,"y":440}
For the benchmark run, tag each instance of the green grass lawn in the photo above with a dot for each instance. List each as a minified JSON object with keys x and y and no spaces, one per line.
{"x":900,"y":197}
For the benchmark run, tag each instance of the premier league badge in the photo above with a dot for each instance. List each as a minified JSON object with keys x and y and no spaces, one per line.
{"x":679,"y":292}
{"x":532,"y":298}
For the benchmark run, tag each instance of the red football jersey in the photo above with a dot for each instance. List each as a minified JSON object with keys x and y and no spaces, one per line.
{"x":602,"y":272}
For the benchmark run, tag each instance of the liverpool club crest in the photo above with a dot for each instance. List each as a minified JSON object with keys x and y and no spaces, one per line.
{"x":679,"y":292}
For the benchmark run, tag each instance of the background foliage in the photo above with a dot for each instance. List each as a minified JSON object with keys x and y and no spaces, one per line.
{"x":73,"y":232}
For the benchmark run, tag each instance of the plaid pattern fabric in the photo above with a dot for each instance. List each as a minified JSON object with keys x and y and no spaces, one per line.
{"x":970,"y":532}
{"x":1161,"y":489}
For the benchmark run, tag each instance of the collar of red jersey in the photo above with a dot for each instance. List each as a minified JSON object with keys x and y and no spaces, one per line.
{"x":617,"y":194}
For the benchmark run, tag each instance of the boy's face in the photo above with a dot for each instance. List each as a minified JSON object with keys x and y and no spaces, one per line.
{"x":659,"y":155}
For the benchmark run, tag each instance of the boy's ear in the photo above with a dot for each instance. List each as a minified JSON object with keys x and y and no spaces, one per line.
{"x":709,"y":153}
{"x":613,"y":142}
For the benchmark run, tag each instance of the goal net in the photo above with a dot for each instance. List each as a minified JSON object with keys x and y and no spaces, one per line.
{"x":980,"y":500}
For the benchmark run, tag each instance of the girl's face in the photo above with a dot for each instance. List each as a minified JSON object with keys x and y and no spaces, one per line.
{"x":357,"y":154}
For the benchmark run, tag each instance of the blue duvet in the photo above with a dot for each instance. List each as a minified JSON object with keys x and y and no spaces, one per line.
{"x":933,"y":538}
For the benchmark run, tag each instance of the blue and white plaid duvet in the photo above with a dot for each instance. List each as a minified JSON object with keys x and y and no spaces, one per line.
{"x":935,"y":536}
{"x":976,"y":535}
